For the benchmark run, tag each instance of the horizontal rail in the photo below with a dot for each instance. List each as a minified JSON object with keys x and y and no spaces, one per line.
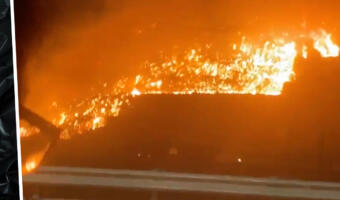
{"x":183,"y":182}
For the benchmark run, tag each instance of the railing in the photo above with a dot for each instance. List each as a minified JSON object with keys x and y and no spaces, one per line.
{"x":183,"y":182}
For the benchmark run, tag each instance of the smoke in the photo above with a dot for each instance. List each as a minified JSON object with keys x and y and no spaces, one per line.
{"x":68,"y":48}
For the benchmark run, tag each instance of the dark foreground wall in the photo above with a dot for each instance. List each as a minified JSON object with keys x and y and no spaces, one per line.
{"x":8,"y":148}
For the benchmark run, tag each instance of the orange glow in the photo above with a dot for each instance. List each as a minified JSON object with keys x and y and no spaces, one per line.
{"x":97,"y":122}
{"x":26,"y":129}
{"x":33,"y":161}
{"x":135,"y":92}
{"x":31,"y":165}
{"x":304,"y":52}
{"x":324,"y":44}
{"x":62,"y":118}
{"x":254,"y":68}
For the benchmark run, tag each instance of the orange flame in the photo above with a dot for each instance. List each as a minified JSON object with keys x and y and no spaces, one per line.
{"x":27,"y":130}
{"x":34,"y":160}
{"x":324,"y":44}
{"x":254,"y":69}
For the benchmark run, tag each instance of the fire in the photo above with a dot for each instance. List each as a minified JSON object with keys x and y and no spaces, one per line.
{"x":324,"y":44}
{"x":304,"y":52}
{"x":97,"y":122}
{"x":27,"y":130}
{"x":30,"y":165}
{"x":255,"y":68}
{"x":135,"y":92}
{"x":62,"y":118}
{"x":34,"y":160}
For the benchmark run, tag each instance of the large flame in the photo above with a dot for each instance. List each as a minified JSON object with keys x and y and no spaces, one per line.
{"x":254,"y":69}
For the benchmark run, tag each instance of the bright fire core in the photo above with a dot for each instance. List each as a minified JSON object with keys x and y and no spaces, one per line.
{"x":254,"y":69}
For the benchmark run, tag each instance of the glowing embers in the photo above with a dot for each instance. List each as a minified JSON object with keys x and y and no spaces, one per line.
{"x":253,"y":68}
{"x":27,"y":130}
